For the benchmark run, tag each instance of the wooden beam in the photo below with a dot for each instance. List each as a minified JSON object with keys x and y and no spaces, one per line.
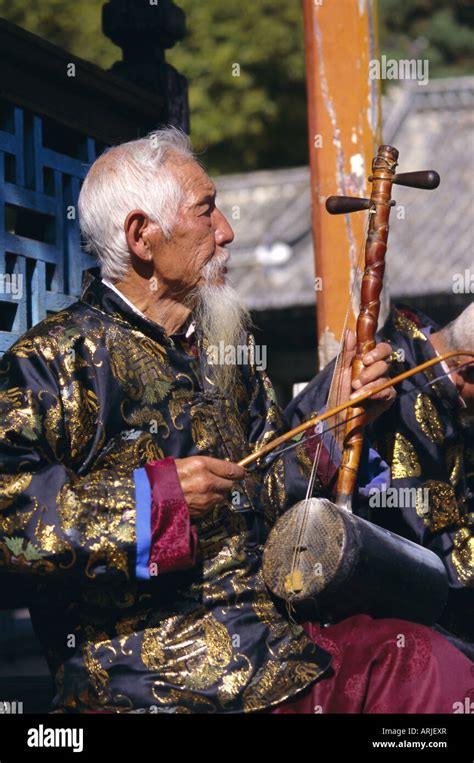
{"x":34,"y":75}
{"x":344,"y":131}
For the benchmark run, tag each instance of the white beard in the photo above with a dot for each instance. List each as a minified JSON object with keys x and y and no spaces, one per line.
{"x":220,"y":317}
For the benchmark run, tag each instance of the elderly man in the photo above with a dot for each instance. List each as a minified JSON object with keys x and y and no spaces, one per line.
{"x":122,"y":503}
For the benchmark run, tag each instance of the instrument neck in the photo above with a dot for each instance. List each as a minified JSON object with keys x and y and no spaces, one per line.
{"x":383,"y":170}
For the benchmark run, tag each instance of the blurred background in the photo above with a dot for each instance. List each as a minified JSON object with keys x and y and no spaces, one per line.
{"x":256,"y":121}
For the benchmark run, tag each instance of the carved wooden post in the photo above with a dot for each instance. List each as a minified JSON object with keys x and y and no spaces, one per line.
{"x":144,"y":31}
{"x":344,"y":131}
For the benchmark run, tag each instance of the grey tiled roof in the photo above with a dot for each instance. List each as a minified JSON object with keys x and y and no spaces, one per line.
{"x":433,"y":127}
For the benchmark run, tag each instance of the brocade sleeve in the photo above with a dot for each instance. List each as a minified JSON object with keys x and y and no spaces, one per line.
{"x":82,"y":523}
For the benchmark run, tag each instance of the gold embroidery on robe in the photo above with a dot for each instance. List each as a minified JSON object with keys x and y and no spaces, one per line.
{"x":19,"y":413}
{"x":463,"y":556}
{"x":152,"y":651}
{"x":240,"y":584}
{"x":233,"y":682}
{"x":406,"y":326}
{"x":304,"y":460}
{"x":209,"y":666}
{"x":201,"y":650}
{"x":270,"y":684}
{"x":178,"y":404}
{"x":175,"y":697}
{"x":52,"y":423}
{"x":56,"y":338}
{"x":96,"y":514}
{"x":106,"y":552}
{"x":82,"y":416}
{"x":46,"y":535}
{"x":221,"y":548}
{"x":11,"y":486}
{"x":454,"y":458}
{"x":201,"y":422}
{"x":404,"y":461}
{"x":443,"y":507}
{"x":428,"y":418}
{"x":144,"y":416}
{"x":140,"y":365}
{"x":273,"y":493}
{"x":275,"y":420}
{"x":98,"y":676}
{"x":130,"y":451}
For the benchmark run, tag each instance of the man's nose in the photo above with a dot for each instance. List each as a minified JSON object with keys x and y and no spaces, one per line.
{"x":223,"y":231}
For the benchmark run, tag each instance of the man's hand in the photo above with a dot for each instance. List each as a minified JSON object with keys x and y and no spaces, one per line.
{"x":206,"y":482}
{"x":374,"y":374}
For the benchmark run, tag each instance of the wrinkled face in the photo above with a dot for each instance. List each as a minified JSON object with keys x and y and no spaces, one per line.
{"x":200,"y":234}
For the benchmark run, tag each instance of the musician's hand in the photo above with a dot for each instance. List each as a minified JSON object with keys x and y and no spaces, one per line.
{"x":374,"y":374}
{"x":206,"y":482}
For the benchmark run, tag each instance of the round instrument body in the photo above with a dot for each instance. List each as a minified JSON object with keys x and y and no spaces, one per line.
{"x":324,"y":559}
{"x":320,"y":554}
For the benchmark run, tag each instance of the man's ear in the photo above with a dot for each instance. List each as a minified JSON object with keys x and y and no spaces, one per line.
{"x":137,"y":228}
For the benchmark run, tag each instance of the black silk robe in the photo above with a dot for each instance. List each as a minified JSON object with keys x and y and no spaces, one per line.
{"x":422,"y":439}
{"x":87,"y":398}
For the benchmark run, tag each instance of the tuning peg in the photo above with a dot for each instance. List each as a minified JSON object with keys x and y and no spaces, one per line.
{"x":427,"y":179}
{"x":339,"y":205}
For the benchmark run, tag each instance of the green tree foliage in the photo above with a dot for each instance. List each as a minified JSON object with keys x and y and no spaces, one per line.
{"x":258,"y":118}
{"x":440,"y":30}
{"x":72,"y":24}
{"x":247,"y":91}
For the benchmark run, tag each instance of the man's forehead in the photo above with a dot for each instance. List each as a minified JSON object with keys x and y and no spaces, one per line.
{"x":197,"y":181}
{"x":207,"y":186}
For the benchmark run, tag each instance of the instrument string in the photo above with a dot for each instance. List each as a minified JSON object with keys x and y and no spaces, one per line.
{"x":356,"y":271}
{"x":337,"y":375}
{"x":277,"y":453}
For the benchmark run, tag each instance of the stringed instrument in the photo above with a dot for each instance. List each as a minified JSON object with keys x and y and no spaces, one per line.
{"x":320,"y":558}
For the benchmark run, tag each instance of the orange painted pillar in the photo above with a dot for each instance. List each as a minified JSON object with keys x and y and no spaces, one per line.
{"x":344,"y":131}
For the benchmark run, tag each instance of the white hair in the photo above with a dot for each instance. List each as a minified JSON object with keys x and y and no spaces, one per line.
{"x":133,"y":175}
{"x":459,"y":334}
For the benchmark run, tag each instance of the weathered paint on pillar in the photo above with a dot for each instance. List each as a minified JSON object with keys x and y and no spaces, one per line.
{"x":344,"y":131}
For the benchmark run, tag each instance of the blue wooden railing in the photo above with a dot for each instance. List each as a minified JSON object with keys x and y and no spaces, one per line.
{"x":41,"y":260}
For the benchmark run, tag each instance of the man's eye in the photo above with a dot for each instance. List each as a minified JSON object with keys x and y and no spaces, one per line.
{"x":207,"y":211}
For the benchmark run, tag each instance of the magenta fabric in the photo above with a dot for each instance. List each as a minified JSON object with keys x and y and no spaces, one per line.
{"x":385,"y":666}
{"x":173,"y":537}
{"x":328,"y":460}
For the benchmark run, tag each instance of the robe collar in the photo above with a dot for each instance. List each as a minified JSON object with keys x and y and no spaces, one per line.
{"x":100,"y":296}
